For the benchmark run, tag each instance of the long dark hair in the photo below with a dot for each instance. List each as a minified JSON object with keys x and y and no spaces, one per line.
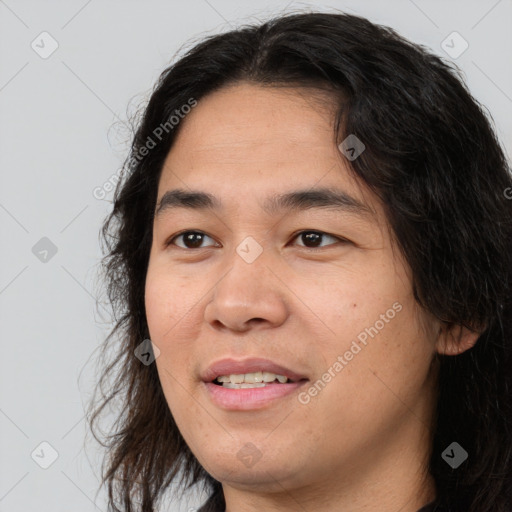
{"x":433,"y":159}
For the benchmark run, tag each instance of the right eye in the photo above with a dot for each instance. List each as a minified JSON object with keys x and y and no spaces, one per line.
{"x":191,"y":239}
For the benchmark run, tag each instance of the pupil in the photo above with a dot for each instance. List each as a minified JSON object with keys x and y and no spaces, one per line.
{"x":311,"y":237}
{"x":193,"y":239}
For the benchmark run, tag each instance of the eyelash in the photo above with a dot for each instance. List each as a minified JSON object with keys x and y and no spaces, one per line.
{"x":174,"y":237}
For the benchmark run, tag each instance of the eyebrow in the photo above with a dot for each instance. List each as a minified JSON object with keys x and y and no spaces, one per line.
{"x":296,"y":200}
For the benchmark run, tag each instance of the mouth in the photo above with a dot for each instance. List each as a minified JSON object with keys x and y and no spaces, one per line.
{"x":250,"y":384}
{"x":256,"y":369}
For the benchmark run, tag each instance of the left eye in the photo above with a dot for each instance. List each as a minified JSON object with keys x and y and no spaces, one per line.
{"x":314,"y":237}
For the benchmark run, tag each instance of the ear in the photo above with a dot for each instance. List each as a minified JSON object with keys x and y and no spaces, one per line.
{"x":454,"y":339}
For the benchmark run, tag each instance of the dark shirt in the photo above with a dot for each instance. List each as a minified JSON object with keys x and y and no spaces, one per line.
{"x":216,"y":504}
{"x":429,"y":508}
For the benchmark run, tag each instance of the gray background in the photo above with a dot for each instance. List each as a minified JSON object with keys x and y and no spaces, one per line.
{"x":62,"y":134}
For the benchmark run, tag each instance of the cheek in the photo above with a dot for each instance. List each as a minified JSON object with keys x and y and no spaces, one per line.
{"x":163,"y":315}
{"x":172,"y":321}
{"x":375,"y":317}
{"x":155,"y":304}
{"x":163,"y":310}
{"x":354,"y":300}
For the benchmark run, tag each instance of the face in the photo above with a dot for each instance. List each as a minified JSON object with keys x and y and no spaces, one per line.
{"x":314,"y":287}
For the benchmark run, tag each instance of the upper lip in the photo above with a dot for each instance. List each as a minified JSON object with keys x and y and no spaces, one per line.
{"x":229,"y":366}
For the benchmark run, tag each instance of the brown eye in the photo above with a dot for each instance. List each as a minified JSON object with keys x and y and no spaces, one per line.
{"x":313,"y":239}
{"x":191,"y":239}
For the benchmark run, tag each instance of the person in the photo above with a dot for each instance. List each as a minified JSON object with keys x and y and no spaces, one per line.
{"x":310,"y":256}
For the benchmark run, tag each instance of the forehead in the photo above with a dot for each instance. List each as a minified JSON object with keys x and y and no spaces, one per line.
{"x":249,"y":140}
{"x":256,"y":120}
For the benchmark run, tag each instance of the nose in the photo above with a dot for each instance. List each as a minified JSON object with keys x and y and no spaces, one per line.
{"x":248,"y":296}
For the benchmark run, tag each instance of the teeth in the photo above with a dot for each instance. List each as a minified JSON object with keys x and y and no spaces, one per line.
{"x":255,"y":379}
{"x":243,"y":385}
{"x":251,"y":378}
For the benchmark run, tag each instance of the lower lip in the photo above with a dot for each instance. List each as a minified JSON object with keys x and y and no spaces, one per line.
{"x":245,"y":399}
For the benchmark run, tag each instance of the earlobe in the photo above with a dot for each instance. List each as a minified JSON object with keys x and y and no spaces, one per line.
{"x":454,"y":339}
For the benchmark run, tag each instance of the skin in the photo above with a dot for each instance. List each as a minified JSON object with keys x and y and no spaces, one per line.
{"x":362,"y":443}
